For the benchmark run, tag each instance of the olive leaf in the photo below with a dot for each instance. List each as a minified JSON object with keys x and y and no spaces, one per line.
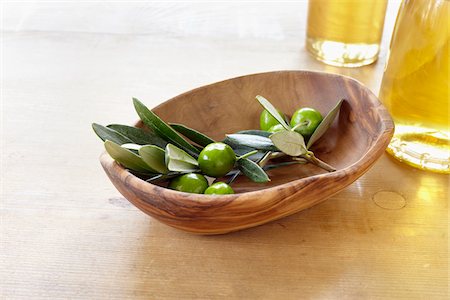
{"x":252,"y":170}
{"x":154,"y":156}
{"x":262,"y":133}
{"x":138,"y":135}
{"x":249,"y":140}
{"x":178,"y":160}
{"x":272,"y":111}
{"x":325,"y":124}
{"x":127,"y":158}
{"x":161,"y":128}
{"x":289,"y":142}
{"x":109,"y":134}
{"x":192,"y":134}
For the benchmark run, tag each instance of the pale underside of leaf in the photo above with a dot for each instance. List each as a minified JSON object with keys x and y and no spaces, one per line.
{"x":178,"y":160}
{"x":289,"y":142}
{"x":255,"y":132}
{"x":180,"y":166}
{"x":248,"y":140}
{"x":132,"y":146}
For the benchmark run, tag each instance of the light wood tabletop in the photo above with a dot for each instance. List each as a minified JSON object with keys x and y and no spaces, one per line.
{"x":67,"y":233}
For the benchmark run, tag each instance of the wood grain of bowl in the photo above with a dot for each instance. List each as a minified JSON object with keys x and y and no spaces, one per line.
{"x":357,"y":138}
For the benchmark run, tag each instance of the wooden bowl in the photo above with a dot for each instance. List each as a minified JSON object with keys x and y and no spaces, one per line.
{"x":354,"y":142}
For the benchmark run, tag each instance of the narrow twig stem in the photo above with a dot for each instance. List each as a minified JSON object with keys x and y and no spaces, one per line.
{"x":233,"y":178}
{"x":263,"y":161}
{"x":300,"y":160}
{"x":299,"y":125}
{"x":248,"y":154}
{"x":314,"y":160}
{"x":274,"y":155}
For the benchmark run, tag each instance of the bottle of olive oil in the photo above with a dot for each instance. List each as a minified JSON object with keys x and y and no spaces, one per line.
{"x":415,"y":86}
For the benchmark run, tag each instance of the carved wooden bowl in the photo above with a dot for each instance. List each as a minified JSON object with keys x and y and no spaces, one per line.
{"x":357,"y":138}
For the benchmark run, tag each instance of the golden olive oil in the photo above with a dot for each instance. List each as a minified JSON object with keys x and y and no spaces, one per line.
{"x":415,"y":86}
{"x":345,"y":32}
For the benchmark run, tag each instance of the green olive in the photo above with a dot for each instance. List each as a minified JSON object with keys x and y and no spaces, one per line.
{"x":276,"y":128}
{"x":307,"y":120}
{"x":266,"y":120}
{"x":216,"y":159}
{"x":219,"y":188}
{"x":189,"y":183}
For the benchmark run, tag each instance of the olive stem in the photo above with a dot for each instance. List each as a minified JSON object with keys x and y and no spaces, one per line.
{"x":309,"y":156}
{"x":299,"y":125}
{"x":247,"y":154}
{"x":263,"y":161}
{"x":287,"y":163}
{"x":233,"y":178}
{"x":276,"y":155}
{"x":300,"y":160}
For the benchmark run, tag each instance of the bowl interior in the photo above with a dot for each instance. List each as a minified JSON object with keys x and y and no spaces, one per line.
{"x":230,"y":106}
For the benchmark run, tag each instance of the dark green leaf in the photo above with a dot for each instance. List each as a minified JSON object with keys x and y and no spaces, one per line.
{"x":106,"y":133}
{"x":126,"y":157}
{"x":252,"y":170}
{"x":325,"y":124}
{"x":192,"y":134}
{"x":161,"y":128}
{"x":138,"y":135}
{"x":262,"y":133}
{"x":154,"y":157}
{"x":289,"y":142}
{"x":253,"y":141}
{"x":178,"y":160}
{"x":272,"y":111}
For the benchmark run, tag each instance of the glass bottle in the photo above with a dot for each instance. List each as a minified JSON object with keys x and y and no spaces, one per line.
{"x":415,"y":86}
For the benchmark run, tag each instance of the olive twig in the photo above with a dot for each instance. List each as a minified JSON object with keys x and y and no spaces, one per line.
{"x":309,"y":156}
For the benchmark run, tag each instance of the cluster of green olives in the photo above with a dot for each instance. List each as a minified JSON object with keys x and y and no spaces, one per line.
{"x":215,"y":160}
{"x":305,"y":120}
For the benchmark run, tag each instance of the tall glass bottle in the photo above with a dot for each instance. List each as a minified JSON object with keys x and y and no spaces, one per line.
{"x":415,"y":86}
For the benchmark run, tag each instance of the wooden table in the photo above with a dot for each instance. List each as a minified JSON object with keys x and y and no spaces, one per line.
{"x":66,"y":233}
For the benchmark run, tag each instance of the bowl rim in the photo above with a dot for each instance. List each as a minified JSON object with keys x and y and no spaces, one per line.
{"x":363,"y":163}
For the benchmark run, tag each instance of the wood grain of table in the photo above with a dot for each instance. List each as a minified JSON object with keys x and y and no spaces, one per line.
{"x":66,"y":233}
